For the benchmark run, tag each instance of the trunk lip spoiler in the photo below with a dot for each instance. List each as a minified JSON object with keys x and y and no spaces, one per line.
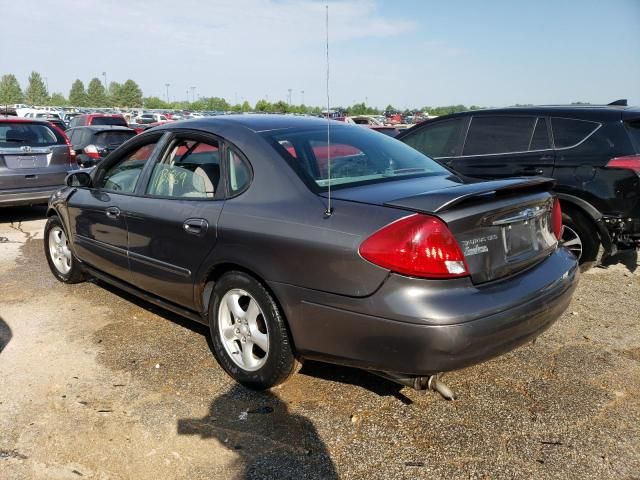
{"x":437,"y":201}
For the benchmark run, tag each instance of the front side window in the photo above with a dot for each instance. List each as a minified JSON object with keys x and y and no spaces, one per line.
{"x":190,"y":169}
{"x":500,"y":134}
{"x":438,"y":140}
{"x":568,"y":132}
{"x":123,"y":176}
{"x":356,"y":155}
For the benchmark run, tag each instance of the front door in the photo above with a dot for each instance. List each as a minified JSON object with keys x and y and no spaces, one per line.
{"x":98,"y":214}
{"x":172,"y":224}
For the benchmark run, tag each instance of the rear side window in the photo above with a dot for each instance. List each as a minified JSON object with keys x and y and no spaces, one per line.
{"x":239,"y":172}
{"x":633,"y":128}
{"x":440,"y":139}
{"x":113,"y":139}
{"x":14,"y":135}
{"x":490,"y":135}
{"x":109,"y":121}
{"x":568,"y":132}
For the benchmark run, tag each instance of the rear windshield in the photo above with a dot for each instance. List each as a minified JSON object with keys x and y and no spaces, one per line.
{"x":109,"y":121}
{"x":633,"y":128}
{"x":108,"y":139}
{"x":13,"y":135}
{"x":356,"y":155}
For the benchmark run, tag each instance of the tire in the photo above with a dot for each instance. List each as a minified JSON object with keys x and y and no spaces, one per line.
{"x":63,"y":264}
{"x":249,"y":334}
{"x":579,"y":235}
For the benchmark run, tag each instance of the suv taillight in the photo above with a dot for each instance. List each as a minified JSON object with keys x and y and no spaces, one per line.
{"x":556,"y":219}
{"x":72,"y":153}
{"x":630,"y":162}
{"x":92,"y":152}
{"x":417,"y":245}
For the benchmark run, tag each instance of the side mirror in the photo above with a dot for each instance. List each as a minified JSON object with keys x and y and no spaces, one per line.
{"x":78,"y":179}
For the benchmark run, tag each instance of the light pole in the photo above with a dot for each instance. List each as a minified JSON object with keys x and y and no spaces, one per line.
{"x":302,"y":95}
{"x":167,"y":85}
{"x":289,"y":90}
{"x":46,"y":84}
{"x":106,"y":87}
{"x":193,"y":93}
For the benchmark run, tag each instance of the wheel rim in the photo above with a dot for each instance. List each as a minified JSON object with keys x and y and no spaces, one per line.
{"x":59,"y":250}
{"x":243,"y":330}
{"x":572,"y":241}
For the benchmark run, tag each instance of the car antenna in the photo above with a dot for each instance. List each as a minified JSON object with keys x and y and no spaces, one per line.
{"x":329,"y":211}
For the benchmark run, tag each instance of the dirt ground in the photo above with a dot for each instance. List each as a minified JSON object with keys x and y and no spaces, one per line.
{"x":96,"y":384}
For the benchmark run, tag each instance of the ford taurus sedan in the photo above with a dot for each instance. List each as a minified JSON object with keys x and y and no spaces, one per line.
{"x":297,"y":238}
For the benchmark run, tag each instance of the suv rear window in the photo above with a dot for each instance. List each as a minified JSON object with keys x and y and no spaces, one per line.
{"x":109,"y":121}
{"x":633,"y":128}
{"x":357,"y":155}
{"x":13,"y":135}
{"x":105,"y":139}
{"x":503,"y":134}
{"x":568,"y":132}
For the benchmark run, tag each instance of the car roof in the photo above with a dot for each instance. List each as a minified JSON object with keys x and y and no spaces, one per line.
{"x":11,"y":119}
{"x":586,"y":112}
{"x":254,"y":122}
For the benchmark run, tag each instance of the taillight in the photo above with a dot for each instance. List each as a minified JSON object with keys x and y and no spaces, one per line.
{"x":630,"y":162}
{"x":92,"y":152}
{"x":417,"y":245}
{"x":556,"y":219}
{"x":70,"y":150}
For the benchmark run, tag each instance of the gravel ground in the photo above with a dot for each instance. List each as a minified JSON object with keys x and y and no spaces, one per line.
{"x":97,"y":384}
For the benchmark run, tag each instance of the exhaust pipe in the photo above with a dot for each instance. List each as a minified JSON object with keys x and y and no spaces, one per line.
{"x":430,"y":382}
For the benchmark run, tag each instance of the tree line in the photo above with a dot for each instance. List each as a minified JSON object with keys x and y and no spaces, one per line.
{"x":130,"y":95}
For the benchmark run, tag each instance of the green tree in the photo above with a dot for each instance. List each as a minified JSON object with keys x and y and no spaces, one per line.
{"x":36,"y":93}
{"x":10,"y":91}
{"x":245,"y":107}
{"x":57,"y":99}
{"x":77,"y":94}
{"x":263,"y":106}
{"x":216,"y":103}
{"x":280,"y":107}
{"x":130,"y":94}
{"x":96,"y":95}
{"x":113,"y":94}
{"x":154,"y":102}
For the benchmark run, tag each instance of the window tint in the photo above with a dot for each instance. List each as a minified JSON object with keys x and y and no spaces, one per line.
{"x":440,"y":139}
{"x":190,"y":169}
{"x":540,"y":137}
{"x":357,"y":155}
{"x":568,"y":132}
{"x":123,"y":176}
{"x":634,"y":132}
{"x":489,"y":135}
{"x":113,"y":139}
{"x":239,"y":172}
{"x":14,"y":135}
{"x":109,"y":121}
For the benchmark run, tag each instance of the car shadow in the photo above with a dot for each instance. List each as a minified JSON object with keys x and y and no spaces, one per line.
{"x":23,"y":214}
{"x":5,"y":334}
{"x":628,"y":258}
{"x":334,"y":373}
{"x":269,"y":440}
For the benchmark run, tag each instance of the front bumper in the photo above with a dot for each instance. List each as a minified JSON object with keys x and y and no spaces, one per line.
{"x":421,"y":327}
{"x":26,"y":196}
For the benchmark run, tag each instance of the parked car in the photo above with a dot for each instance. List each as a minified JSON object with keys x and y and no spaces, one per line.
{"x":593,"y":153}
{"x":408,"y":269}
{"x":91,"y":144}
{"x":98,"y":119}
{"x":35,"y":158}
{"x":147,"y":118}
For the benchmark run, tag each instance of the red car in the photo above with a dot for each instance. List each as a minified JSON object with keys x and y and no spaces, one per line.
{"x":98,"y":119}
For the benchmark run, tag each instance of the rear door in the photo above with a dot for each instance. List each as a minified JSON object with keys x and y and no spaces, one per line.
{"x":172,"y":224}
{"x":98,"y":214}
{"x":441,"y":140}
{"x":32,"y":155}
{"x":499,"y":146}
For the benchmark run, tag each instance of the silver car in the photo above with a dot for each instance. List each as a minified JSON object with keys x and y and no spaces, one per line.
{"x":35,"y":158}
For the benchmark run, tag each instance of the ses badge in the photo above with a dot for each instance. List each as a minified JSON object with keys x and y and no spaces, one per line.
{"x":477,"y":245}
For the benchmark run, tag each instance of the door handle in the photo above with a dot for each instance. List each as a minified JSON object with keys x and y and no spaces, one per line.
{"x":530,"y":171}
{"x":113,"y":212}
{"x":195,"y":226}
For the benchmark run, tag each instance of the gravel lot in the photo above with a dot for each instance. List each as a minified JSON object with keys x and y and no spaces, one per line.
{"x":97,"y":384}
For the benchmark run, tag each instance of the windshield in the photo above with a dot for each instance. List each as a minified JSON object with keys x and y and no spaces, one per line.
{"x":356,"y":155}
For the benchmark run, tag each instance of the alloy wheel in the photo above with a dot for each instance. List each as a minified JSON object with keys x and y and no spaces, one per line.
{"x":243,"y":330}
{"x":59,"y":250}
{"x":572,"y":241}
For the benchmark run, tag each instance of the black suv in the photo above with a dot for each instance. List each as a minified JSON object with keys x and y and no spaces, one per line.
{"x":93,"y":143}
{"x":593,"y":153}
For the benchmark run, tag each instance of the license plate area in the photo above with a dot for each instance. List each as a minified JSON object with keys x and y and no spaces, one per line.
{"x":26,"y":161}
{"x":519,"y":239}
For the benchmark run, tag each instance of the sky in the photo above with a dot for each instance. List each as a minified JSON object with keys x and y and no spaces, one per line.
{"x":408,"y":53}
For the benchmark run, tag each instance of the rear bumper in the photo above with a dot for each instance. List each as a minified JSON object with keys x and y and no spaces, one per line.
{"x":422,"y":327}
{"x":27,"y":196}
